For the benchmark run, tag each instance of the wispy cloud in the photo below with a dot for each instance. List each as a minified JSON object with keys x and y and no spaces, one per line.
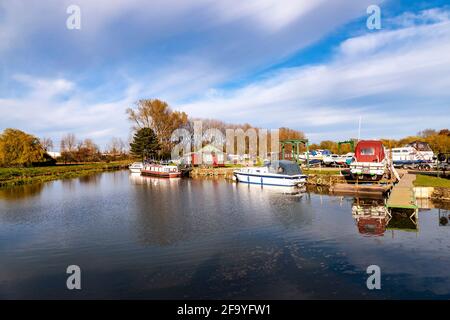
{"x":187,"y":53}
{"x":392,"y":78}
{"x":53,"y":107}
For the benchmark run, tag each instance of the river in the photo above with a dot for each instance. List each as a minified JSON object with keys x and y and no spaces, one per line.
{"x":149,"y":238}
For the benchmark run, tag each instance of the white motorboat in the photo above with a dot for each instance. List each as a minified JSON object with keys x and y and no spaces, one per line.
{"x":136,"y":167}
{"x":338,"y":160}
{"x":281,"y":173}
{"x":409,"y":155}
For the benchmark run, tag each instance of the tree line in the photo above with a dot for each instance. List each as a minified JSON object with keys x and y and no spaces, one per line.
{"x":20,"y":149}
{"x":154,"y":121}
{"x":153,"y":124}
{"x":73,"y":150}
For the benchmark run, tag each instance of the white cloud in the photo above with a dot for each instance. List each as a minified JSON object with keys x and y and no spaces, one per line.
{"x":393,"y":78}
{"x":42,"y":111}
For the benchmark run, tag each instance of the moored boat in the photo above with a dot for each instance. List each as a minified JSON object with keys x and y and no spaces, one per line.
{"x":281,"y":173}
{"x":162,"y":171}
{"x":413,"y":154}
{"x":370,"y":162}
{"x":136,"y":167}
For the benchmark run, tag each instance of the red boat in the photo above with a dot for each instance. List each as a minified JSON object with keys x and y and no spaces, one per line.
{"x":371,"y":161}
{"x":157,"y":170}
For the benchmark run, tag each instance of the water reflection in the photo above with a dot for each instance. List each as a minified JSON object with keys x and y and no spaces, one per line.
{"x":373,"y":218}
{"x":19,"y":192}
{"x":137,"y":179}
{"x":266,"y":189}
{"x":444,"y":217}
{"x":90,"y":179}
{"x":144,"y":237}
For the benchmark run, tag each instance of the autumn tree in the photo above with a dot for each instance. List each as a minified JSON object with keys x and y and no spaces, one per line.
{"x":158,"y":116}
{"x":87,"y":151}
{"x":18,"y":148}
{"x":287,"y":134}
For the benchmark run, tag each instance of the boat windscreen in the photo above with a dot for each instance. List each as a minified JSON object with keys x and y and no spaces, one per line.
{"x":286,"y":167}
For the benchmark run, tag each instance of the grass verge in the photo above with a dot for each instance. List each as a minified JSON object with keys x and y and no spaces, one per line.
{"x":430,"y":181}
{"x":19,"y":176}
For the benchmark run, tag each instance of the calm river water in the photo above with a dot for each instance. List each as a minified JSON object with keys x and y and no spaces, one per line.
{"x":139,"y":237}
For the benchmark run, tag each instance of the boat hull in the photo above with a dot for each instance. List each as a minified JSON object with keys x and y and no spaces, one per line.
{"x":161,"y":174}
{"x":281,"y":181}
{"x":135,"y":170}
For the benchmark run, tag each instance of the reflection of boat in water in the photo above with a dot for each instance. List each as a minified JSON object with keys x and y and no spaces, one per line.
{"x":294,"y":190}
{"x":138,"y":179}
{"x":373,"y":218}
{"x":281,"y":173}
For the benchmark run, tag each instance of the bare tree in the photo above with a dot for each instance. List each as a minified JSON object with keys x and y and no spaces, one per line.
{"x":68,"y":143}
{"x":427,"y":133}
{"x":46,"y":143}
{"x":116,"y":146}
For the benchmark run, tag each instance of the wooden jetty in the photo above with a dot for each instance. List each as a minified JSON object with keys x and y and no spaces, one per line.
{"x":402,"y":194}
{"x":360,"y":189}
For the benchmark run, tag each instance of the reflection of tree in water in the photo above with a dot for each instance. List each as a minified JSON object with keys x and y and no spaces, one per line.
{"x":21,"y":192}
{"x":445,"y":205}
{"x":90,"y":178}
{"x":14,"y":214}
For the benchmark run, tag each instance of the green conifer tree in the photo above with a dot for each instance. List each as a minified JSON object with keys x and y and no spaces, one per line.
{"x":145,"y":144}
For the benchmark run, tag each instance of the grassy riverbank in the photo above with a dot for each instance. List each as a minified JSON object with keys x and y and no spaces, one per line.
{"x":430,"y":181}
{"x":20,"y":176}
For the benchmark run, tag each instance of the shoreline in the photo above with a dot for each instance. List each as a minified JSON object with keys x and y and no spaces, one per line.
{"x":321,"y":177}
{"x":12,"y":177}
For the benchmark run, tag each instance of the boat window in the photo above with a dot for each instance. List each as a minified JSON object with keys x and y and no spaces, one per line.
{"x":367,"y":151}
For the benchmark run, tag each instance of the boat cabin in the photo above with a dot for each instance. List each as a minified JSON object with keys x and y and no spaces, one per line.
{"x":286,"y":167}
{"x":369,"y":151}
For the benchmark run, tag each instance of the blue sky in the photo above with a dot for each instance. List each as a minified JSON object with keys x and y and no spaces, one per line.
{"x":308,"y":65}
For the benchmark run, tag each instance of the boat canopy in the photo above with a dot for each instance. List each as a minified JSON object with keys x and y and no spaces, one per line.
{"x":285,"y":167}
{"x":420,"y":146}
{"x":369,"y":151}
